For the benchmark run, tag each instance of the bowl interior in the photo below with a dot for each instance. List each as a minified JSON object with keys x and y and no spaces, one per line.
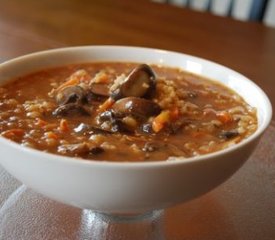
{"x":252,"y":94}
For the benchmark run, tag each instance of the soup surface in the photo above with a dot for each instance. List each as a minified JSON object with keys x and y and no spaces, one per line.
{"x":123,"y":112}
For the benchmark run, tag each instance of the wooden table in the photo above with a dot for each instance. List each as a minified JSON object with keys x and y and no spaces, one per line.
{"x":241,"y":209}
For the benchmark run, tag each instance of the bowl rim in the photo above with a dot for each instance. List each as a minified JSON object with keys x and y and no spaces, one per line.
{"x":126,"y":164}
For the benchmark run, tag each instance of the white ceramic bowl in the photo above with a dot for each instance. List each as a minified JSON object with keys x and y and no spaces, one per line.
{"x":129,"y":187}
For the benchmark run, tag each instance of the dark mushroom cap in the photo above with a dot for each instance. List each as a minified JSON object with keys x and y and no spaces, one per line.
{"x":229,"y":134}
{"x":135,"y":106}
{"x":71,"y":109}
{"x":70,"y":94}
{"x":139,"y":83}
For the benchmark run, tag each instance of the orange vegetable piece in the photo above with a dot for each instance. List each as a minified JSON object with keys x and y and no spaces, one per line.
{"x":14,"y":133}
{"x":161,"y":120}
{"x":174,"y":113}
{"x":106,"y":105}
{"x":224,"y":117}
{"x":51,"y":135}
{"x":41,"y":123}
{"x":70,"y":82}
{"x":64,"y":126}
{"x":74,"y":79}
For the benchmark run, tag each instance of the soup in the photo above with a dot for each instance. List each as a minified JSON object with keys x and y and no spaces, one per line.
{"x":123,"y":112}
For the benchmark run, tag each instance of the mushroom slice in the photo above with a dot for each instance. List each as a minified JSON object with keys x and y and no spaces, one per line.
{"x":70,"y":109}
{"x":98,"y":130}
{"x":96,"y":150}
{"x":229,"y":134}
{"x":147,"y":128}
{"x":80,"y":149}
{"x":139,"y":83}
{"x":111,"y":122}
{"x":76,"y":149}
{"x":82,"y":128}
{"x":135,"y":106}
{"x":107,"y":116}
{"x":89,"y":129}
{"x":70,"y":94}
{"x":100,"y":89}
